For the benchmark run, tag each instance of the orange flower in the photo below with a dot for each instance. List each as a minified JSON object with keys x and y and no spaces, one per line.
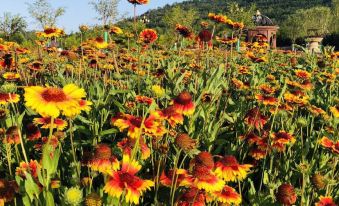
{"x":316,"y":110}
{"x":229,"y":169}
{"x":148,"y":36}
{"x":138,"y":1}
{"x":239,"y":84}
{"x":103,"y":160}
{"x":286,"y":194}
{"x":325,"y":201}
{"x":254,"y":118}
{"x":227,"y":40}
{"x":182,"y":178}
{"x":6,"y":98}
{"x":126,"y":182}
{"x":127,"y":145}
{"x":266,"y":100}
{"x":280,"y":139}
{"x":12,"y":136}
{"x":183,"y":103}
{"x":302,"y":74}
{"x":218,"y":18}
{"x":136,"y":126}
{"x":33,"y":167}
{"x":267,"y":89}
{"x":144,"y":99}
{"x":171,"y":115}
{"x":258,"y":153}
{"x":297,"y":98}
{"x":204,"y":178}
{"x":184,"y":31}
{"x":192,"y":197}
{"x":329,"y":144}
{"x":33,"y":132}
{"x":60,"y":124}
{"x":228,"y":195}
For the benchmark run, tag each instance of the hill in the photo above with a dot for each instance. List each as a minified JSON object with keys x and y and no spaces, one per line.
{"x":277,"y":10}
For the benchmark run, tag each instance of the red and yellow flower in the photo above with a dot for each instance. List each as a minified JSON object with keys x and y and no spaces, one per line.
{"x":181,"y":177}
{"x":126,"y":182}
{"x":192,"y":197}
{"x":183,"y":103}
{"x":32,"y":167}
{"x":229,"y":169}
{"x":228,"y":196}
{"x":204,"y":178}
{"x":128,"y":144}
{"x":52,"y":101}
{"x":10,"y":76}
{"x":335,"y":111}
{"x":103,"y":160}
{"x":325,"y":201}
{"x":280,"y":139}
{"x":6,"y":98}
{"x":59,"y":124}
{"x":138,"y":1}
{"x":171,"y":115}
{"x":148,"y":36}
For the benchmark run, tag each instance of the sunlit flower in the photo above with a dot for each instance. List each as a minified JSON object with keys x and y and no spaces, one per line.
{"x":10,"y":76}
{"x":126,"y":182}
{"x":158,"y":90}
{"x":266,"y":100}
{"x":302,"y":74}
{"x":325,"y":201}
{"x":204,"y":159}
{"x":100,"y":43}
{"x":218,"y":18}
{"x":330,"y":144}
{"x":182,"y":178}
{"x":51,"y":101}
{"x":148,"y":36}
{"x":229,"y":169}
{"x":280,"y":139}
{"x":257,"y":153}
{"x":228,"y":195}
{"x":296,"y":98}
{"x":45,"y":123}
{"x":183,"y":103}
{"x":135,"y":125}
{"x":204,"y":178}
{"x":73,"y":196}
{"x":50,"y":32}
{"x":116,"y":30}
{"x":6,"y":98}
{"x":33,"y":168}
{"x":239,"y":84}
{"x":335,"y":111}
{"x":184,"y":142}
{"x":143,"y":99}
{"x":171,"y":115}
{"x":226,"y":40}
{"x":93,"y":199}
{"x":12,"y":135}
{"x":103,"y":160}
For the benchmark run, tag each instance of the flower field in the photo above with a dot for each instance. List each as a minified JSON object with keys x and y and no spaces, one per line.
{"x":135,"y":123}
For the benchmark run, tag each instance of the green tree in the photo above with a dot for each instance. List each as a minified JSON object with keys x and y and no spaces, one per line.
{"x":293,"y":27}
{"x":241,"y":14}
{"x":335,"y":17}
{"x":106,"y":9}
{"x":43,"y":12}
{"x":11,"y":25}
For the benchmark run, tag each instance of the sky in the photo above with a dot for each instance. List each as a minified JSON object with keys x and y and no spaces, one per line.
{"x":78,"y":12}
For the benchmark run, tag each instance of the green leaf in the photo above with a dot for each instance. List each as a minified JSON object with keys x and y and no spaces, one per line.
{"x":109,"y":131}
{"x":31,"y":187}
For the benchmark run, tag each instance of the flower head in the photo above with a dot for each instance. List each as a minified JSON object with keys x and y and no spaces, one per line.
{"x":228,"y":195}
{"x":148,"y":36}
{"x":286,"y":194}
{"x":73,"y":196}
{"x":183,"y":103}
{"x":325,"y":201}
{"x":229,"y":169}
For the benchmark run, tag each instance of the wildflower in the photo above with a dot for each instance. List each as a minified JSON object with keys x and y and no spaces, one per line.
{"x":135,"y":125}
{"x":33,"y":167}
{"x":51,"y":101}
{"x":280,"y":139}
{"x":254,"y":118}
{"x":171,"y":115}
{"x":93,"y":199}
{"x":218,"y":18}
{"x":204,"y":178}
{"x":50,"y":32}
{"x":125,"y":181}
{"x":182,"y":178}
{"x":266,"y":100}
{"x":148,"y":36}
{"x":229,"y":169}
{"x":158,"y":90}
{"x":204,"y":159}
{"x":103,"y":160}
{"x":128,"y":144}
{"x":184,"y":31}
{"x":143,"y":99}
{"x":239,"y":84}
{"x":116,"y":30}
{"x":227,"y":40}
{"x":33,"y":132}
{"x":286,"y":194}
{"x":184,"y":142}
{"x":73,"y":196}
{"x":60,"y":124}
{"x":12,"y":136}
{"x":138,"y":1}
{"x":302,"y":74}
{"x":6,"y":98}
{"x":228,"y":195}
{"x":318,"y":181}
{"x":325,"y":201}
{"x":8,"y":189}
{"x":335,"y":111}
{"x":35,"y":66}
{"x":192,"y":197}
{"x":183,"y":103}
{"x":100,"y":43}
{"x":330,"y":144}
{"x":297,"y":98}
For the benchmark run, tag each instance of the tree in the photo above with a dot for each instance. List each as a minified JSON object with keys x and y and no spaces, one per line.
{"x":292,"y":27}
{"x":43,"y":12}
{"x":12,"y":24}
{"x":241,"y":14}
{"x":107,"y":10}
{"x":335,"y":14}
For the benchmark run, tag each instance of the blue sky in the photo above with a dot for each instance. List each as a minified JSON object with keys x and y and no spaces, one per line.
{"x":77,"y":11}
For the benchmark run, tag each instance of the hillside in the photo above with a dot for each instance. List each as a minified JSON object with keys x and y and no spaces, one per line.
{"x":277,"y":10}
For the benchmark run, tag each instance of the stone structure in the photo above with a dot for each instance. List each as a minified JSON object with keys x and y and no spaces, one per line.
{"x":264,"y":27}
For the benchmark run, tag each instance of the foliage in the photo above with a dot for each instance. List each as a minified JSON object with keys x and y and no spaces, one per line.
{"x":43,"y":12}
{"x":12,"y":24}
{"x":106,"y":9}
